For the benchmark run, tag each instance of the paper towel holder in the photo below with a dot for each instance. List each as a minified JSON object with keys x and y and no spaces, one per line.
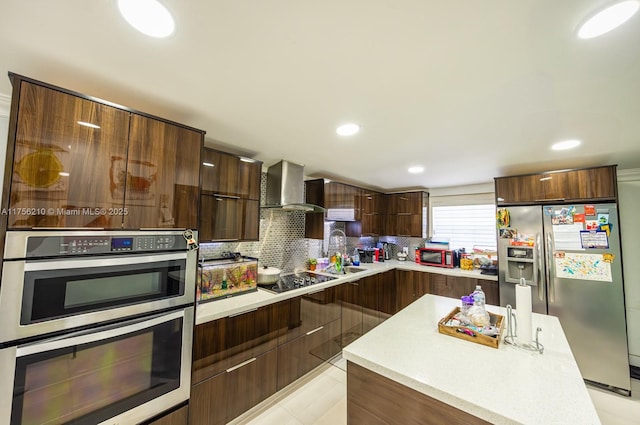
{"x":512,"y":329}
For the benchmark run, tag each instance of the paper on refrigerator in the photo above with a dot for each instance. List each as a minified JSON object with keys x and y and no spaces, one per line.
{"x":567,"y":237}
{"x":583,"y":267}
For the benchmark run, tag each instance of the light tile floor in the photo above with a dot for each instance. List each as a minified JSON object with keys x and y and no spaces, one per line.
{"x":319,"y":398}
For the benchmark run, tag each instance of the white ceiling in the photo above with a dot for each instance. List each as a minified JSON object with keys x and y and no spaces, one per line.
{"x":469,"y":89}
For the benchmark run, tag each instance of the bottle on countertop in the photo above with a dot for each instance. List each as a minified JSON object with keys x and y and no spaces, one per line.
{"x":356,"y":258}
{"x":478,"y":296}
{"x":478,"y":313}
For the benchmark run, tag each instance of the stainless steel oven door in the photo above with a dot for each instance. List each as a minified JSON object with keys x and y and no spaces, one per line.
{"x":122,"y":373}
{"x":38,"y":297}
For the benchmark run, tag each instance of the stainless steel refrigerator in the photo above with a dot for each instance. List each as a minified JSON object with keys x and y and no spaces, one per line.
{"x":570,"y":255}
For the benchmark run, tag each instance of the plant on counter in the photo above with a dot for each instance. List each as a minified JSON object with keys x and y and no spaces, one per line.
{"x":311,"y":263}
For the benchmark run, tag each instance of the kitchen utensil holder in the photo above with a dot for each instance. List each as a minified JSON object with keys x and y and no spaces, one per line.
{"x":512,"y":330}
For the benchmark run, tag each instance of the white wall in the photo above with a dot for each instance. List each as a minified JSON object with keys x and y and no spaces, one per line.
{"x":629,"y":202}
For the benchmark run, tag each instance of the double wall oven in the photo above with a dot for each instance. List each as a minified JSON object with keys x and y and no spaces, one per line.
{"x":96,"y":326}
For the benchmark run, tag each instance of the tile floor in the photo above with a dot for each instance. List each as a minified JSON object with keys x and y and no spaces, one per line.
{"x":319,"y":398}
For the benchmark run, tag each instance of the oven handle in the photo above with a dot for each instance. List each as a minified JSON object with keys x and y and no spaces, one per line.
{"x":101,"y":261}
{"x":97,"y":334}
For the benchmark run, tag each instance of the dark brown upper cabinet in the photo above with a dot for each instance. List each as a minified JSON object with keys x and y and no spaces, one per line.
{"x":59,"y":170}
{"x":582,"y":185}
{"x":229,"y":197}
{"x":74,"y":161}
{"x":162,"y":175}
{"x":406,"y":214}
{"x":332,"y":196}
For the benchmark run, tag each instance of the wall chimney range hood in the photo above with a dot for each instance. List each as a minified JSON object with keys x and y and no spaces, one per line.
{"x":285,"y":188}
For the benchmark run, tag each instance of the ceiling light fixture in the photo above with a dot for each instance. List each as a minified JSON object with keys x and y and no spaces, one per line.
{"x":348,"y":129}
{"x":567,"y":144}
{"x":149,"y":17}
{"x":416,"y":170}
{"x":88,"y":124}
{"x":608,"y":19}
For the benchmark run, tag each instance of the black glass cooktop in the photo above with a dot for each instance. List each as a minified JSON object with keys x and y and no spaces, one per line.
{"x":291,"y":281}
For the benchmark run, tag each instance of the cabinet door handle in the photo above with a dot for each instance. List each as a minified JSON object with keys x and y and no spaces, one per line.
{"x":243,"y":312}
{"x":549,"y":199}
{"x":217,"y":195}
{"x":238,"y":366}
{"x":226,"y":240}
{"x":315,"y":330}
{"x":403,"y":214}
{"x":355,"y":283}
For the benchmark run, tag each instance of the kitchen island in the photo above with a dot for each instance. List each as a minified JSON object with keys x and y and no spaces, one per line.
{"x":405,"y":372}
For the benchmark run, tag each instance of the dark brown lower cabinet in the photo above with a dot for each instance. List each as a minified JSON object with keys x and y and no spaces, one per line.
{"x":405,"y":291}
{"x":373,"y":399}
{"x":227,"y":395}
{"x":457,"y":286}
{"x":387,"y":294}
{"x":351,"y":312}
{"x":226,"y":342}
{"x":370,"y":288}
{"x":179,"y":416}
{"x":301,"y":355}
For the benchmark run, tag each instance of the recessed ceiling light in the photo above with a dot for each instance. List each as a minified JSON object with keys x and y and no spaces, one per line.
{"x":88,"y":124}
{"x":416,"y":170}
{"x":608,"y":19}
{"x":149,"y":17}
{"x":348,"y":129}
{"x":567,"y":144}
{"x":207,"y":164}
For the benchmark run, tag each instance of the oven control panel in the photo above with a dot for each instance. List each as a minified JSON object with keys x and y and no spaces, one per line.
{"x":49,"y":246}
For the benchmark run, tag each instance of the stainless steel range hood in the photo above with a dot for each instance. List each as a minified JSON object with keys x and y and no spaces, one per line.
{"x":285,"y":188}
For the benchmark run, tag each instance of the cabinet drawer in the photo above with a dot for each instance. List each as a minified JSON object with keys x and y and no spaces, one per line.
{"x":234,"y":391}
{"x":308,"y":312}
{"x":225,"y":342}
{"x":301,"y":355}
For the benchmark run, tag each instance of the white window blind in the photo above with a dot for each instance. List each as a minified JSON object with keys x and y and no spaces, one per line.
{"x":466,"y":221}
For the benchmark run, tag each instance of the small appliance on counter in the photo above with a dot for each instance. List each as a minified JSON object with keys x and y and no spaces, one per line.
{"x":220,"y":278}
{"x":435,"y":257}
{"x":367,"y":255}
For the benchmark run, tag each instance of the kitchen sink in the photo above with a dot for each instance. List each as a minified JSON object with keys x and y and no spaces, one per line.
{"x":353,"y":269}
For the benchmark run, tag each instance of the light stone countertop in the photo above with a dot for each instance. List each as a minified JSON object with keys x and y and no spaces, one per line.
{"x":216,"y":309}
{"x":506,"y":385}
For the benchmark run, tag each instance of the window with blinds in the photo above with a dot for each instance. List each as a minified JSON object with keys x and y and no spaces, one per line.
{"x":465,"y":221}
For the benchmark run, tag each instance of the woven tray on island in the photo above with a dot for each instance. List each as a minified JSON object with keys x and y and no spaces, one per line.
{"x":473,"y":336}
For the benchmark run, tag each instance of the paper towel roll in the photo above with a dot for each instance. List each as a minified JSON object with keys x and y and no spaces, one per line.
{"x":523,"y":313}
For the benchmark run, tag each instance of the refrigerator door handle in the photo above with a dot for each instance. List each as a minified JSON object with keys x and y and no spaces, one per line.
{"x":550,"y":282}
{"x":537,"y":271}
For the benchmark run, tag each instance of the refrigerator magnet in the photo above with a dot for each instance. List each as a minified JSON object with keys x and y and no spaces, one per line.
{"x":591,"y":225}
{"x":594,"y":239}
{"x":578,"y":218}
{"x":603,"y":218}
{"x":606,"y":228}
{"x":608,"y":258}
{"x":589,"y":210}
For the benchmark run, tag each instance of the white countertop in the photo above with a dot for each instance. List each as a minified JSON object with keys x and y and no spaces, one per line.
{"x":212,"y":310}
{"x":503,"y":386}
